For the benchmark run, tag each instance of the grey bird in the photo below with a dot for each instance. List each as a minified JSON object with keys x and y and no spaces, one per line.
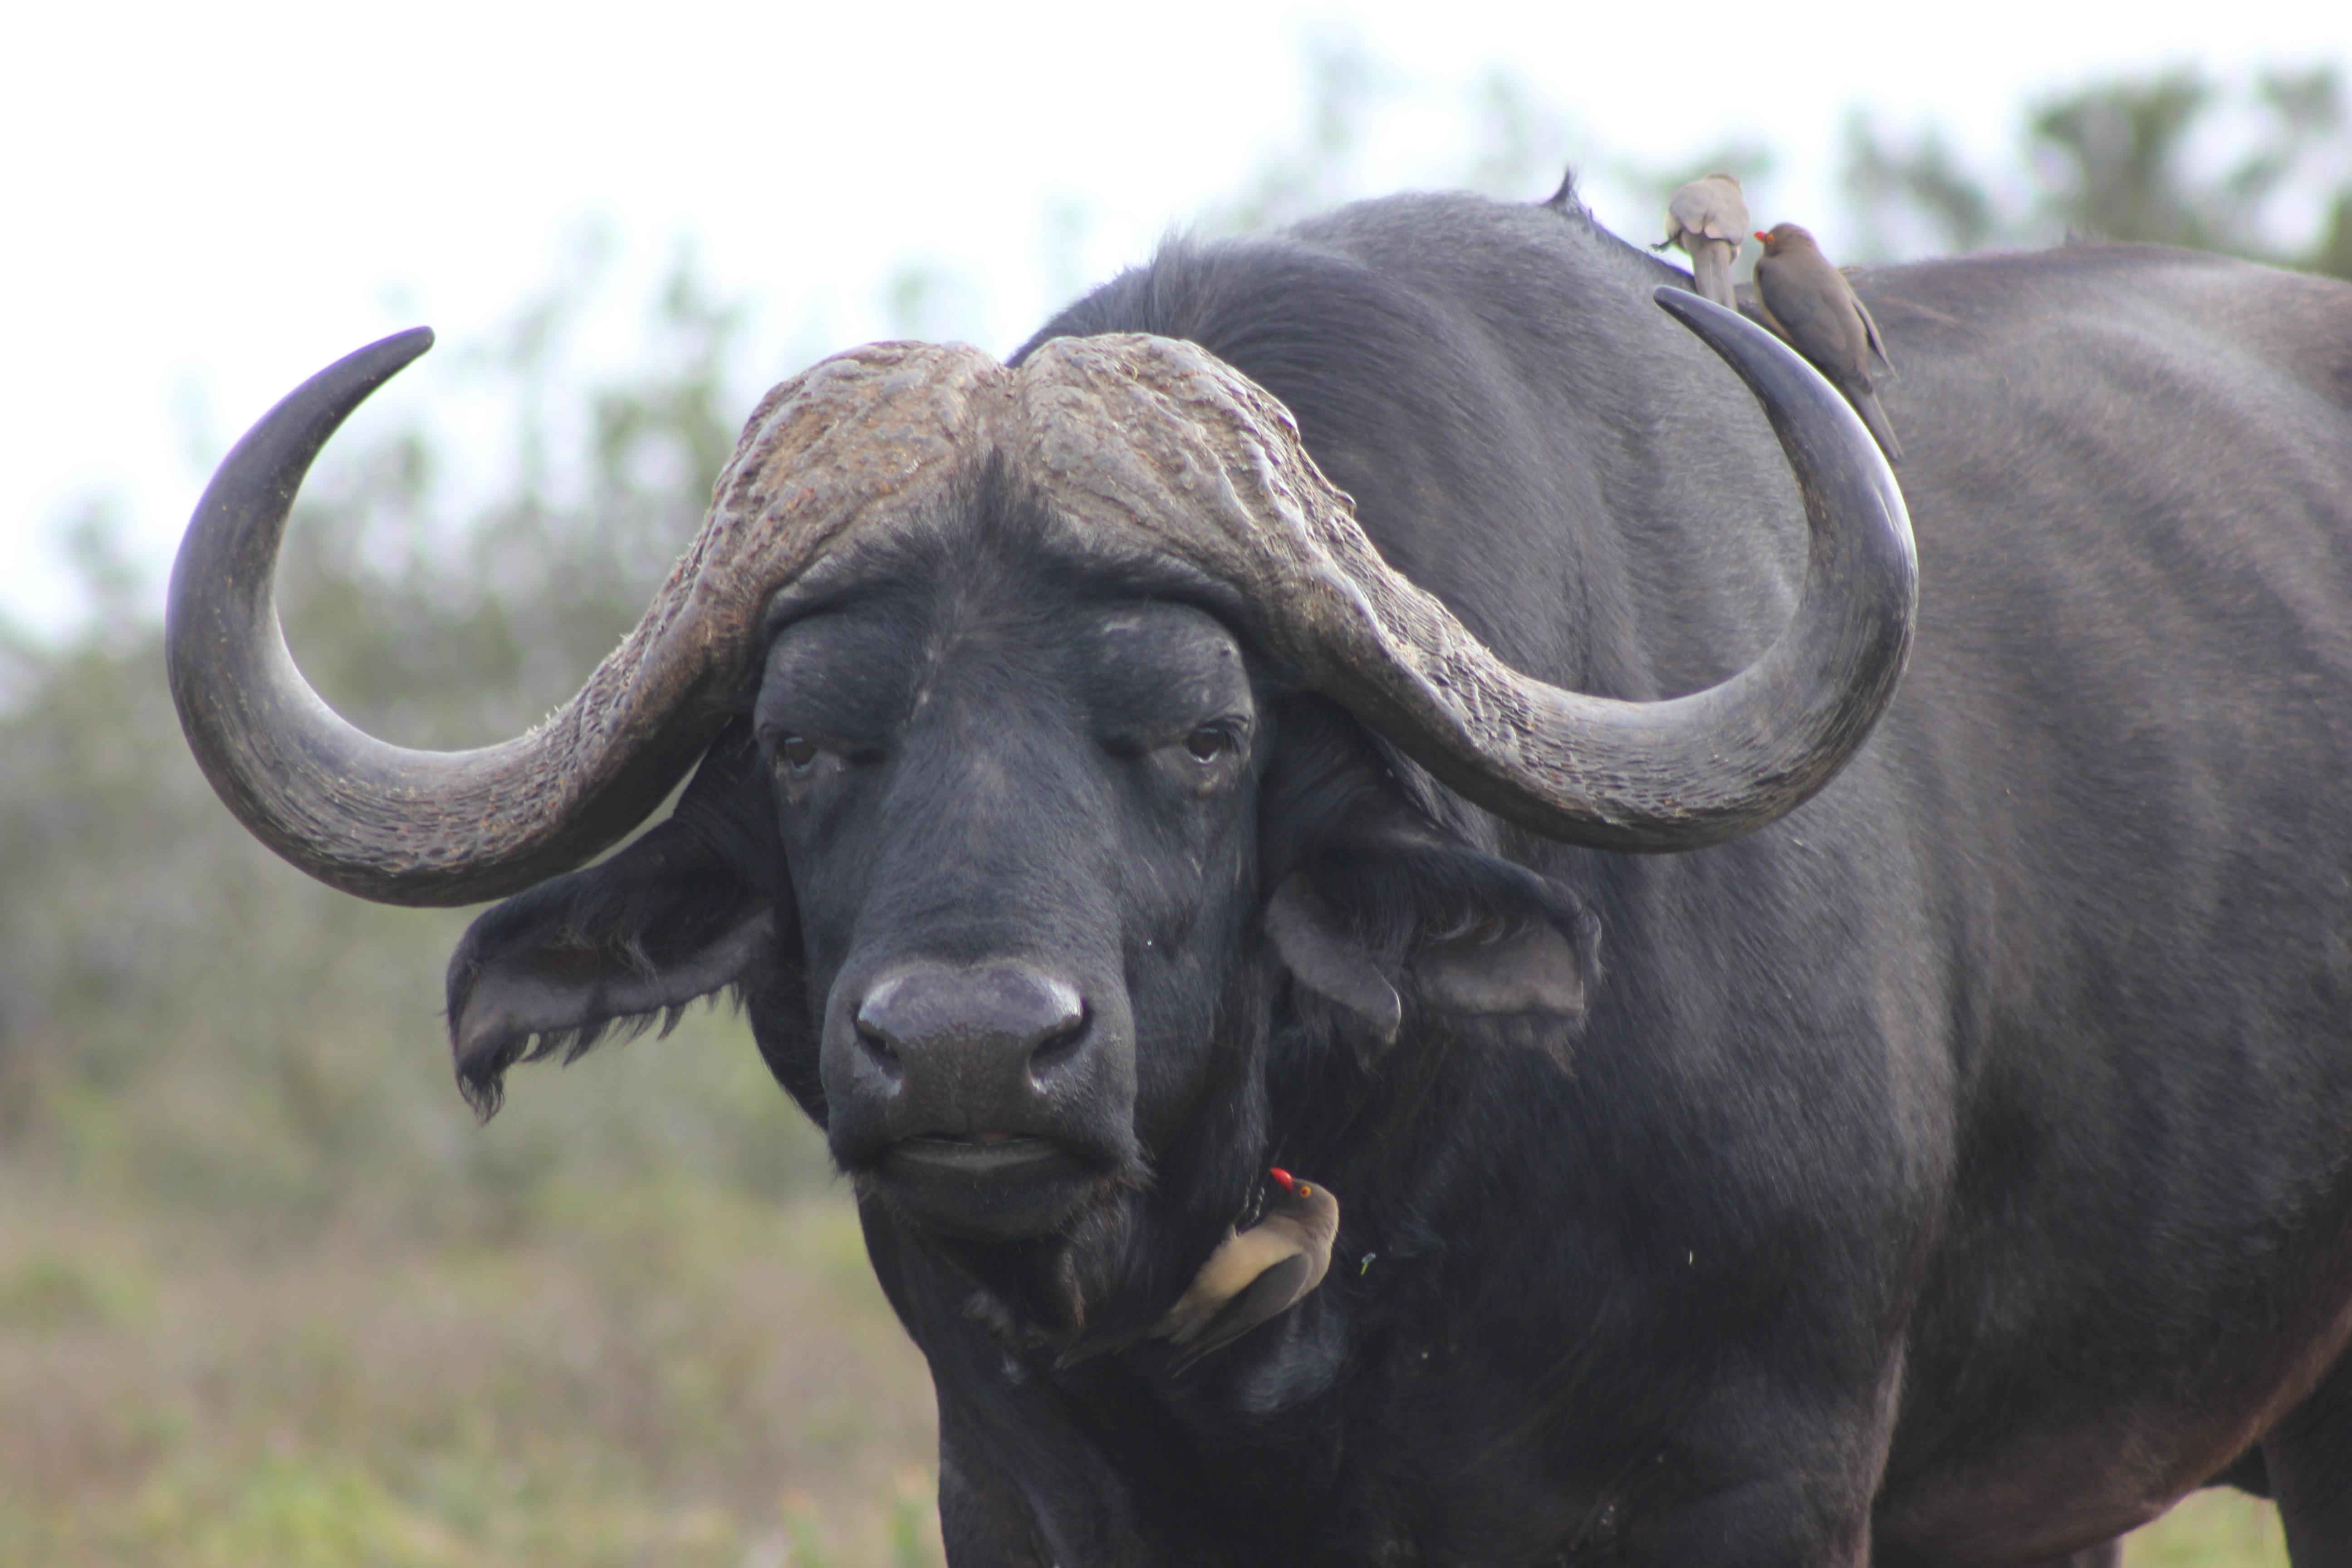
{"x":1709,"y":219}
{"x":1256,"y":1274}
{"x":1810,"y":304}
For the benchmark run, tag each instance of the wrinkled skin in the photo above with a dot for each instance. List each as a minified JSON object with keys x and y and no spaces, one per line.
{"x":1101,"y":832}
{"x":1951,"y":1173}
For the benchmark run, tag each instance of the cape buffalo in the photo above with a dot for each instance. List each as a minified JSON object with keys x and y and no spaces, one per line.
{"x":1366,"y":697}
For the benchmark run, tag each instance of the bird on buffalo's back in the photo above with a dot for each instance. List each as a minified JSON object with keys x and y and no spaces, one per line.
{"x":1256,"y":1274}
{"x":1709,"y":219}
{"x":1810,"y":304}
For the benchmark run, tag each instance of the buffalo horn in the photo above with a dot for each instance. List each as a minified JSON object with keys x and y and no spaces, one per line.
{"x":451,"y":827}
{"x":1210,"y":467}
{"x":1141,"y":445}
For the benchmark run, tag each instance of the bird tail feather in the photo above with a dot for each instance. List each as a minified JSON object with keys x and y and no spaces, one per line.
{"x":1875,"y":416}
{"x":1711,"y":270}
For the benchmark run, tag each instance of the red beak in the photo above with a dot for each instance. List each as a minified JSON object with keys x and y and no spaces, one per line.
{"x":1279,"y":1174}
{"x":1763,"y":236}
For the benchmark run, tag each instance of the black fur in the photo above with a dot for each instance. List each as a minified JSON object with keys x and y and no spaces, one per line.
{"x":1951,"y":1173}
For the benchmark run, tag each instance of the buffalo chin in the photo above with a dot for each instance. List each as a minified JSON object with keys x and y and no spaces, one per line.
{"x":999,"y":1191}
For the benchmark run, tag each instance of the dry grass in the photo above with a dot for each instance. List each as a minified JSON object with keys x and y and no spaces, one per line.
{"x":627,"y":1324}
{"x":684,"y":1378}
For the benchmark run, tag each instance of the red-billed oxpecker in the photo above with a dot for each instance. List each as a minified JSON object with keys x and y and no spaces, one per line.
{"x":1709,"y":219}
{"x":1256,"y":1274}
{"x":1810,"y":304}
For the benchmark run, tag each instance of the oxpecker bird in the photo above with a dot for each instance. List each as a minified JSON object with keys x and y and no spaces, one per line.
{"x":1709,"y":219}
{"x":1810,"y":304}
{"x":1256,"y":1274}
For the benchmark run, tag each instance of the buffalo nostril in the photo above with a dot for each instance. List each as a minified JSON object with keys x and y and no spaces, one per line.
{"x":876,"y":1042}
{"x":874,"y":1035}
{"x":1059,"y":1046}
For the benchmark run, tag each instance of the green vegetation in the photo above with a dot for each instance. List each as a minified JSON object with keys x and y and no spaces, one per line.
{"x":2211,"y":1530}
{"x":2176,"y":159}
{"x":671,"y":1371}
{"x":268,"y":1295}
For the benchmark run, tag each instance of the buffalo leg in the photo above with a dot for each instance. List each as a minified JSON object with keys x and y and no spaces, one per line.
{"x":983,"y":1518}
{"x":1765,"y":1525}
{"x":2308,"y":1457}
{"x":2106,"y":1554}
{"x":2247,"y":1473}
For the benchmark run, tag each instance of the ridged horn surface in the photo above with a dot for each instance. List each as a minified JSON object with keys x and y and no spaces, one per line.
{"x":1210,"y":467}
{"x":854,"y":435}
{"x":1140,"y":444}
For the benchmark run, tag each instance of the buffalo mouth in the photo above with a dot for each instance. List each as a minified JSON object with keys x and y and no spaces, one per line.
{"x":994,"y":1187}
{"x":983,"y":1155}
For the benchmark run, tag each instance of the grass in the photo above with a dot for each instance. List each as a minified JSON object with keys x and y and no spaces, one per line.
{"x":628,"y":1324}
{"x":2210,"y":1530}
{"x":681,"y":1378}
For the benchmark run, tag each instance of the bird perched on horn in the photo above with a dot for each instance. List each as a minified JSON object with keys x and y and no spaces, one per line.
{"x":1707,"y":218}
{"x":1256,"y":1274}
{"x":1810,"y":304}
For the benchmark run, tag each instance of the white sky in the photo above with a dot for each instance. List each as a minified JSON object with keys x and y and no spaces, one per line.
{"x":202,"y":204}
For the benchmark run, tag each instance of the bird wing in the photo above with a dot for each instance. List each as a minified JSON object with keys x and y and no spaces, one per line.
{"x":1870,"y":332}
{"x":1687,"y":211}
{"x":1815,"y":311}
{"x":1725,"y":213}
{"x":1238,"y":1261}
{"x":1271,"y":1294}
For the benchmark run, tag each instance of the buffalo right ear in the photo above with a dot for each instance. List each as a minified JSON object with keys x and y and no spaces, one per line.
{"x":1376,"y":906}
{"x":1314,"y":943}
{"x":623,"y":944}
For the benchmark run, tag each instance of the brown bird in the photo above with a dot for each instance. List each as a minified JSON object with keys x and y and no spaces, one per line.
{"x":1709,"y":219}
{"x":1810,"y":304}
{"x":1256,"y":1274}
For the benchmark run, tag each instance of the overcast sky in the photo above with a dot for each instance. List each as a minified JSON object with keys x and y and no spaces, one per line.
{"x":201,"y":205}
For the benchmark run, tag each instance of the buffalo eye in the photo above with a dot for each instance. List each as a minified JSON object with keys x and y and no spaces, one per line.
{"x":798,"y":750}
{"x":1209,"y":742}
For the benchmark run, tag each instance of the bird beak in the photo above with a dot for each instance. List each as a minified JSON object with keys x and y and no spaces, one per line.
{"x":1283,"y":1178}
{"x":1763,"y":236}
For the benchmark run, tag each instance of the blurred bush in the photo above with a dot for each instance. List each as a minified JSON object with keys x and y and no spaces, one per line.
{"x":187,"y":1022}
{"x":2261,"y":169}
{"x":267,"y":1294}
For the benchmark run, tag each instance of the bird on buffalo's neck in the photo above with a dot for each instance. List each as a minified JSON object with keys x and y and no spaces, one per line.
{"x":1709,"y":219}
{"x":1810,"y":304}
{"x":1256,"y":1274}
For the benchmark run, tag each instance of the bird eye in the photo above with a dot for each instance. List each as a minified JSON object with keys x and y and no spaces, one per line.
{"x":798,"y":750}
{"x":1209,"y":742}
{"x":1305,"y":1191}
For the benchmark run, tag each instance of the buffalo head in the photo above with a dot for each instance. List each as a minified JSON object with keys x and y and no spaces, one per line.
{"x":1035,"y":710}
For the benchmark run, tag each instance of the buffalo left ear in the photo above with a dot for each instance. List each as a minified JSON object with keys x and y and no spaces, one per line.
{"x":618,"y":946}
{"x":612,"y":948}
{"x":679,"y":915}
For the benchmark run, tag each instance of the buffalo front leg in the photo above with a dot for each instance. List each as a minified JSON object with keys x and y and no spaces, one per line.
{"x":2106,"y":1554}
{"x":983,"y":1519}
{"x":2308,"y":1461}
{"x":1766,"y":1474}
{"x":1767,"y":1524}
